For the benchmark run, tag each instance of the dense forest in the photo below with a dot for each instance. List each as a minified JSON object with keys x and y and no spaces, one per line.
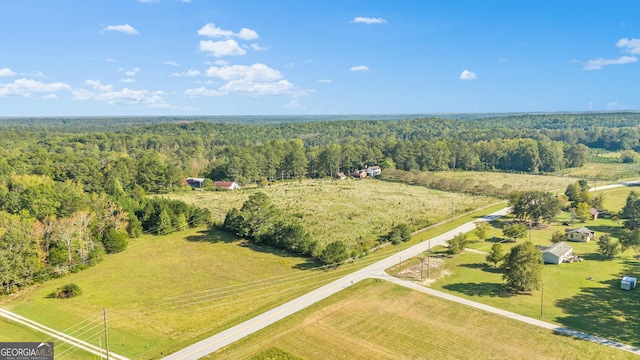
{"x":72,"y":190}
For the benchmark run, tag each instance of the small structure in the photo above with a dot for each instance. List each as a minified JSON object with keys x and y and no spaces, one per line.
{"x":195,"y":182}
{"x":557,"y":253}
{"x":374,"y":170}
{"x":582,"y":234}
{"x":341,"y":176}
{"x":628,"y":283}
{"x":229,"y":185}
{"x":594,"y":213}
{"x":359,"y":174}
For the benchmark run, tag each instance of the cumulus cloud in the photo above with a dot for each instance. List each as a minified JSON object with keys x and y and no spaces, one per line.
{"x":7,"y":72}
{"x":256,"y":47}
{"x":126,"y":28}
{"x":324,"y":81}
{"x":128,"y":80}
{"x":222,"y":48}
{"x":221,"y":62}
{"x":211,"y":30}
{"x":599,"y":63}
{"x":255,"y":80}
{"x":468,"y":75}
{"x":629,"y":45}
{"x":97,"y":85}
{"x":189,"y":73}
{"x":26,"y":87}
{"x":359,"y":68}
{"x":367,"y":20}
{"x":132,"y":72}
{"x":110,"y":60}
{"x":170,"y":62}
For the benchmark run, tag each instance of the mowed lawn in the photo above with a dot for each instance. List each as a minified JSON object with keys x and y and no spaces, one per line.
{"x":378,"y":320}
{"x":354,"y":211}
{"x":585,"y":295}
{"x":164,"y":293}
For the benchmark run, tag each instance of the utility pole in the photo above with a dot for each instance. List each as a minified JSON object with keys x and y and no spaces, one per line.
{"x":421,"y":269}
{"x":541,"y":299}
{"x":106,"y":334}
{"x":429,"y":260}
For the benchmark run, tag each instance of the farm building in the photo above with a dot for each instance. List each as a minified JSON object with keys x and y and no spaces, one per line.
{"x":594,"y":213}
{"x":359,"y":174}
{"x":556,"y":253}
{"x":195,"y":182}
{"x":374,"y":170}
{"x":628,"y":283}
{"x":230,"y":185}
{"x":582,"y":234}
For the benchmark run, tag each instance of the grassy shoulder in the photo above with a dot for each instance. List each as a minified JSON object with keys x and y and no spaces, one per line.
{"x":378,"y":320}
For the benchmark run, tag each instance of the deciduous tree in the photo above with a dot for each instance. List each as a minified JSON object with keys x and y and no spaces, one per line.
{"x":523,"y":268}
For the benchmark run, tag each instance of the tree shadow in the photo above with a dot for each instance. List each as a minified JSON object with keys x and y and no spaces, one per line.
{"x":482,"y":266}
{"x":213,"y":236}
{"x":606,"y":311}
{"x":479,"y":289}
{"x":614,"y":231}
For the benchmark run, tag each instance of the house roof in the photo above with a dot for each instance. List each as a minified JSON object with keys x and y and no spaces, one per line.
{"x":223,"y":183}
{"x":195,"y":179}
{"x":373,"y":168}
{"x":594,"y":211}
{"x":582,"y":230}
{"x":558,"y":249}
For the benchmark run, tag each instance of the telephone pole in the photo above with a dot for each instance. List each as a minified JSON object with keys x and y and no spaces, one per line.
{"x":106,"y":334}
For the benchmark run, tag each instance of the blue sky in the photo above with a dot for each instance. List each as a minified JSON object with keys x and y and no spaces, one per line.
{"x":207,"y":57}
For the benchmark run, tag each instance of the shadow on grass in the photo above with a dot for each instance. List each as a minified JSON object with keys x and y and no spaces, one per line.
{"x":215,"y":236}
{"x":483,"y":267}
{"x":479,"y":289}
{"x":614,"y":231}
{"x":606,"y":311}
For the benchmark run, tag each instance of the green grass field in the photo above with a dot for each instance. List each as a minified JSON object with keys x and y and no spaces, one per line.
{"x":378,"y":320}
{"x":603,"y":171}
{"x":507,"y":181}
{"x":354,"y":211}
{"x":584,"y":296}
{"x":164,"y":293}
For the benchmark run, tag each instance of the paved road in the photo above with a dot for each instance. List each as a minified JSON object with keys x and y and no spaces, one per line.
{"x":60,"y":336}
{"x":511,"y":315}
{"x":248,"y":327}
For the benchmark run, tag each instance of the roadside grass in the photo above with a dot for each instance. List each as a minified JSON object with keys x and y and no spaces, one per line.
{"x":584,"y":296}
{"x":615,"y":199}
{"x":354,"y":211}
{"x":375,"y":319}
{"x":164,"y":293}
{"x":13,"y":332}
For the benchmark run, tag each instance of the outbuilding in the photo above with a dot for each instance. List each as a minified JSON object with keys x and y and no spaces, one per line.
{"x":628,"y":283}
{"x":556,"y":253}
{"x":582,"y":234}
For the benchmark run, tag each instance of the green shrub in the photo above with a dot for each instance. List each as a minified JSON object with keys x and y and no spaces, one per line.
{"x":68,"y":291}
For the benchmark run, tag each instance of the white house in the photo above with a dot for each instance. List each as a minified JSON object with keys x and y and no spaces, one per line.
{"x":556,"y":253}
{"x":582,"y":234}
{"x":230,"y":185}
{"x":374,"y":170}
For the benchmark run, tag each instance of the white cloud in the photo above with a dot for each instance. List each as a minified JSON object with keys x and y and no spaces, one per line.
{"x":255,"y":72}
{"x":599,"y":63}
{"x":359,"y":68}
{"x":211,"y":30}
{"x":222,"y":48}
{"x":50,"y":96}
{"x":110,"y":60}
{"x":126,"y":28}
{"x":221,"y":62}
{"x":324,"y":81}
{"x":97,"y":85}
{"x":7,"y":72}
{"x":132,"y":72}
{"x":128,"y":80}
{"x":468,"y":75}
{"x":172,"y":63}
{"x":26,"y":87}
{"x":190,"y":73}
{"x":629,"y":45}
{"x":254,"y":80}
{"x":293,"y":104}
{"x":257,"y":47}
{"x":368,"y":20}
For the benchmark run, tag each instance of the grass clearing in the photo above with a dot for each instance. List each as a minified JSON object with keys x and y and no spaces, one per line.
{"x":508,"y":181}
{"x":604,"y":171}
{"x":354,"y":211}
{"x":378,"y":320}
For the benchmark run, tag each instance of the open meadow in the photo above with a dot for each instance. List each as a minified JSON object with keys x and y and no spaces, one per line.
{"x":354,"y":211}
{"x":378,"y":320}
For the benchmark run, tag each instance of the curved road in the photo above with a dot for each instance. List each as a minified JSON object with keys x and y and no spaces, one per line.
{"x":248,"y":327}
